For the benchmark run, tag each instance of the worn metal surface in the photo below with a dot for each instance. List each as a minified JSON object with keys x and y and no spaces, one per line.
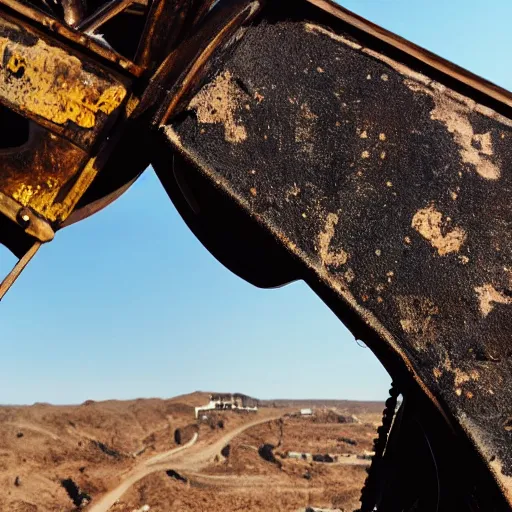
{"x":35,"y":174}
{"x":390,"y":184}
{"x":46,"y":82}
{"x":73,"y":100}
{"x":32,"y":224}
{"x":87,"y":43}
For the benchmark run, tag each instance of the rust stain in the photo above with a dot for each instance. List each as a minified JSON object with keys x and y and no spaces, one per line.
{"x":428,"y":222}
{"x":335,"y":259}
{"x":488,"y":296}
{"x":49,"y":82}
{"x":217,"y":103}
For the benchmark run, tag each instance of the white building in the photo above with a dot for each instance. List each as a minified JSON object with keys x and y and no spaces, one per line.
{"x":306,"y":412}
{"x":229,"y":402}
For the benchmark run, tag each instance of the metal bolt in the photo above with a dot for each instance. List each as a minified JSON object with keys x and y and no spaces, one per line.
{"x":24,"y":217}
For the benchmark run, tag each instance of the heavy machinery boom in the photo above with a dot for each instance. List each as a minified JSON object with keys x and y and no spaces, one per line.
{"x":297,"y":141}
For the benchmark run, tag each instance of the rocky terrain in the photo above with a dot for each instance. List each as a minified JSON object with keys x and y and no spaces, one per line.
{"x":128,"y":456}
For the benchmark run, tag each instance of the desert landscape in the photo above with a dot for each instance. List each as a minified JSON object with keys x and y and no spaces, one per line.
{"x":197,"y":452}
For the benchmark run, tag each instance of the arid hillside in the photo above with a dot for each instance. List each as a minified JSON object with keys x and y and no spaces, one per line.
{"x":131,"y":455}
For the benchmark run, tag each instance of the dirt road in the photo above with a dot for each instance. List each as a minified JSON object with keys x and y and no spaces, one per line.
{"x":195,"y":459}
{"x":135,"y":475}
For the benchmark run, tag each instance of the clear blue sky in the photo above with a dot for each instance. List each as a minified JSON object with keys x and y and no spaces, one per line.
{"x":128,"y":304}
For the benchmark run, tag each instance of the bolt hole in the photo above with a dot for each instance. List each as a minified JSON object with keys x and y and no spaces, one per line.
{"x":14,"y":129}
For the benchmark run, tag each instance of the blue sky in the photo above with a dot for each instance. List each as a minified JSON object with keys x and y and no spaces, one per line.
{"x":129,"y":304}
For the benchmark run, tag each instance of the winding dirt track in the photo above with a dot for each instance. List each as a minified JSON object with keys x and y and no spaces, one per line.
{"x":196,"y":458}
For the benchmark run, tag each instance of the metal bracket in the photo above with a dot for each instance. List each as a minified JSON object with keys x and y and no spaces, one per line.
{"x":26,"y":219}
{"x":18,"y":269}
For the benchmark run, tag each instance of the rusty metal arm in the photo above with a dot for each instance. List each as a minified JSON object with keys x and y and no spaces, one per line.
{"x":380,"y":175}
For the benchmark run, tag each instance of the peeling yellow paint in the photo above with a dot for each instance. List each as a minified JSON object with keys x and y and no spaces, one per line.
{"x":428,"y":222}
{"x":50,"y":83}
{"x":335,"y":259}
{"x":217,"y":102}
{"x":488,"y":296}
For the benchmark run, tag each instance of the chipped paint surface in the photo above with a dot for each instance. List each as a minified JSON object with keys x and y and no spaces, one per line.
{"x":418,"y":319}
{"x":50,"y":83}
{"x":328,"y":257}
{"x":428,"y":222}
{"x":488,"y":296}
{"x":455,"y":117}
{"x":475,"y":149}
{"x":217,"y":103}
